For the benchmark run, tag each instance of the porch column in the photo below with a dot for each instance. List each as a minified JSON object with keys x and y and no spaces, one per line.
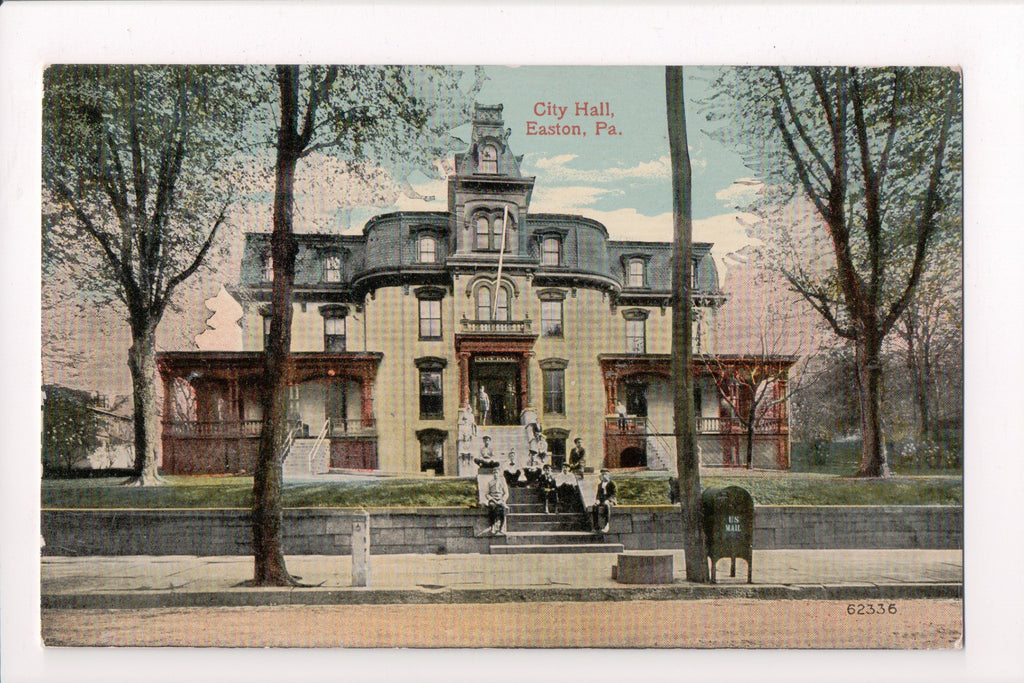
{"x":366,"y":379}
{"x":168,"y":416}
{"x":524,"y":381}
{"x":463,"y":378}
{"x":610,"y":380}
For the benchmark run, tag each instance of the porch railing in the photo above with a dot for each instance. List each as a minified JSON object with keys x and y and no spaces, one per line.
{"x":232,"y":428}
{"x":253,"y":428}
{"x":339,"y":427}
{"x":497,"y":326}
{"x":640,"y":426}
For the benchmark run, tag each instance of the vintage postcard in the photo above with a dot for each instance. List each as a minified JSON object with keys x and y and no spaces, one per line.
{"x":475,"y":380}
{"x":357,"y":356}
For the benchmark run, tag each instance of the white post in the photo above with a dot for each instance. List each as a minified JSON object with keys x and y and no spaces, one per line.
{"x":361,"y":550}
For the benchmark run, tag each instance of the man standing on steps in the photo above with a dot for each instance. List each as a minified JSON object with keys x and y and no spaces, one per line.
{"x":605,"y":501}
{"x":497,"y":502}
{"x":549,"y":488}
{"x":483,"y":404}
{"x":578,"y":458}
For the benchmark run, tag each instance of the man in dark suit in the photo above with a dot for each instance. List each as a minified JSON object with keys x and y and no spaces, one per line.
{"x":605,"y":501}
{"x":549,"y":489}
{"x":578,"y":458}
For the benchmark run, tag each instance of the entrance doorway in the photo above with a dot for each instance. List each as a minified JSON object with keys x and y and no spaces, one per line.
{"x":499,"y":381}
{"x":636,"y":398}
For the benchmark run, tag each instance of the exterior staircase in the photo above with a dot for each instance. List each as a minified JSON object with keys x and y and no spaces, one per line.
{"x":529,"y":530}
{"x":306,"y":457}
{"x":660,"y":453}
{"x":503,"y":440}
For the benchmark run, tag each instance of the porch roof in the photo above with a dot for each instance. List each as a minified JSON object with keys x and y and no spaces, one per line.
{"x":243,"y":363}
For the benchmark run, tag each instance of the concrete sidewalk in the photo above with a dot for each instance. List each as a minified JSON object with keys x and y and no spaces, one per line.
{"x":178,"y":581}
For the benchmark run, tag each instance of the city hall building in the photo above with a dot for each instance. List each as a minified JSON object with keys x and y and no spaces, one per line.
{"x":433,"y":329}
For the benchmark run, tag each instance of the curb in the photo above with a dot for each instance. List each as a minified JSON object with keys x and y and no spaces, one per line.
{"x":272,"y":597}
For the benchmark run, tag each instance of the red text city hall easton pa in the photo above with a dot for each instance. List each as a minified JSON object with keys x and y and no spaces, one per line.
{"x":474,"y":315}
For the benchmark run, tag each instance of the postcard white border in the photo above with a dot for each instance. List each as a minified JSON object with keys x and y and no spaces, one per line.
{"x":984,"y":40}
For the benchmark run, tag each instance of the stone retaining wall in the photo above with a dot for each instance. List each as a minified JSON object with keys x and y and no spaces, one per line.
{"x":327,"y":531}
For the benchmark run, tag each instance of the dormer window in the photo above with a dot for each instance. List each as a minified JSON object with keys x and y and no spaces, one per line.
{"x":551,"y":251}
{"x":694,"y":279}
{"x":488,"y":159}
{"x":636,"y":275}
{"x":268,"y":267}
{"x":427,"y":249}
{"x":332,"y":268}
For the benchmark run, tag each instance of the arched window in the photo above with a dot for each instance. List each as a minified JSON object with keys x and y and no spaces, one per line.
{"x":488,"y":159}
{"x":427,"y":249}
{"x":487,"y":228}
{"x":501,"y":304}
{"x":483,"y":232}
{"x":483,"y":303}
{"x":491,"y":307}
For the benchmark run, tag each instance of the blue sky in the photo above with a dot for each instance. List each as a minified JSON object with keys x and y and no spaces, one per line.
{"x":621,"y":180}
{"x":637,"y":99}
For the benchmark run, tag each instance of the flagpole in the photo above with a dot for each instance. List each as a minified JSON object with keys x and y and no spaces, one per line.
{"x":501,"y":258}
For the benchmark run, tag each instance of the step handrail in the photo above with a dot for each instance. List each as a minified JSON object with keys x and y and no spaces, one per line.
{"x":318,"y":444}
{"x":286,"y":447}
{"x":662,"y":446}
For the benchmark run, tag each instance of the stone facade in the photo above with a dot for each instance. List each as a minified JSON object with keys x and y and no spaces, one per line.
{"x":397,"y":330}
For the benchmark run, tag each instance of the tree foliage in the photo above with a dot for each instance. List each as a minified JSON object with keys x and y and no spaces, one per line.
{"x":394,"y":117}
{"x":136,"y":175}
{"x":876,"y":156}
{"x":69,"y":427}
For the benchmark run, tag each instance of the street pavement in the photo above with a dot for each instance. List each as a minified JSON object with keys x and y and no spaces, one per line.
{"x":184,"y":581}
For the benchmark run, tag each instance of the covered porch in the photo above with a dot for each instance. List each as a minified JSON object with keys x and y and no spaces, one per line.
{"x":212,"y":416}
{"x":645,"y":436}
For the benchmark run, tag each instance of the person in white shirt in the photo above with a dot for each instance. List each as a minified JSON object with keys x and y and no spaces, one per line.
{"x":496,"y":499}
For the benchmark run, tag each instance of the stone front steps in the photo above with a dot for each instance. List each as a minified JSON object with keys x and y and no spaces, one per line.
{"x":529,"y":530}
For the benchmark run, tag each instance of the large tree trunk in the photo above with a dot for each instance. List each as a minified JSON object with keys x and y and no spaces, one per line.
{"x":268,"y":557}
{"x":687,"y":461}
{"x":142,"y":363}
{"x":874,"y":457}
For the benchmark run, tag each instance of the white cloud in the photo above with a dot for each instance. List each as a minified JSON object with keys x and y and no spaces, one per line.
{"x":566,"y":199}
{"x":556,"y":168}
{"x":741,"y":193}
{"x":551,"y":162}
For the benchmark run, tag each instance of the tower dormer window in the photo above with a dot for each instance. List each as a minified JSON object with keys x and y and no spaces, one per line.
{"x":488,"y":159}
{"x":487,"y":228}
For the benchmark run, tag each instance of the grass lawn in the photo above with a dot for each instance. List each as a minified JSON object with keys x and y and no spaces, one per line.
{"x":633,"y":489}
